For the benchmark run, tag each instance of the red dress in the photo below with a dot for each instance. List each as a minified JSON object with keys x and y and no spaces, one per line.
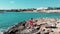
{"x":31,"y":22}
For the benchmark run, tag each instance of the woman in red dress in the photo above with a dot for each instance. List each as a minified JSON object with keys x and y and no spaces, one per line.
{"x":31,"y":22}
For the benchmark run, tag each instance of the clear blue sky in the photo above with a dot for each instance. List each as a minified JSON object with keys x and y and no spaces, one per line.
{"x":10,"y":4}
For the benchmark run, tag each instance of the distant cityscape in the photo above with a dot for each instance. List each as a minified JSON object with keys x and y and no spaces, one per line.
{"x":33,"y":9}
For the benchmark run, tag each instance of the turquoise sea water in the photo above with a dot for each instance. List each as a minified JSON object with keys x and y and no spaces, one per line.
{"x":8,"y":19}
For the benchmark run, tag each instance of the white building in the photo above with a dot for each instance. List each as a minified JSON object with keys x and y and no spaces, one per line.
{"x":41,"y":8}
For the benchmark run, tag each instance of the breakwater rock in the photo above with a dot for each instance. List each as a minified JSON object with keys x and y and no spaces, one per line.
{"x":40,"y":26}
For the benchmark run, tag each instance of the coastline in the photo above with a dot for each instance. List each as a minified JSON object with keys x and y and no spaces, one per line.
{"x":45,"y":10}
{"x":41,"y":22}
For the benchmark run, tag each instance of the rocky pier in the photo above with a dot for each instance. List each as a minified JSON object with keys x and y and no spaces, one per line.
{"x":40,"y":26}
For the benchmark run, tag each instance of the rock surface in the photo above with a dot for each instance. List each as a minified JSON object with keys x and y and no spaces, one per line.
{"x":41,"y":26}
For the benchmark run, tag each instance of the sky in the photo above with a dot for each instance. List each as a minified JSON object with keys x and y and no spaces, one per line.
{"x":21,"y":4}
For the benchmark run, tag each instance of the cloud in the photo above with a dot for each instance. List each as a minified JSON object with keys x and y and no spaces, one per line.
{"x":12,"y":2}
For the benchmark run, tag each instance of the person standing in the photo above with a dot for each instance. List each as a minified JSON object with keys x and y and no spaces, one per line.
{"x":31,"y":21}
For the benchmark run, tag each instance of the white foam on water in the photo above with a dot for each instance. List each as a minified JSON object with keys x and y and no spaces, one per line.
{"x":1,"y":32}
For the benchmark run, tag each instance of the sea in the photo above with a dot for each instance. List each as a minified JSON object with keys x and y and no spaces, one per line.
{"x":8,"y":19}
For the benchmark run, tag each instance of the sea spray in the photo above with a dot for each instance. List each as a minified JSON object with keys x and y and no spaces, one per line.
{"x":2,"y":30}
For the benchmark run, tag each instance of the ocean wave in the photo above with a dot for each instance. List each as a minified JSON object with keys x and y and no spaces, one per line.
{"x":2,"y":30}
{"x":5,"y":29}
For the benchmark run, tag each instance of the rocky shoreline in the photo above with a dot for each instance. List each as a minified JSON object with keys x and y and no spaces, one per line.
{"x":40,"y":26}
